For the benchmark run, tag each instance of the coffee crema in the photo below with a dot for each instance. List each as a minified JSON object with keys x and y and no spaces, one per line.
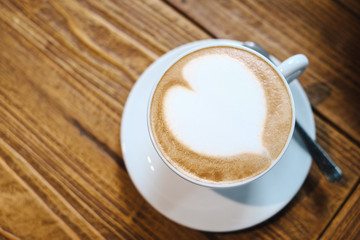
{"x":221,"y":115}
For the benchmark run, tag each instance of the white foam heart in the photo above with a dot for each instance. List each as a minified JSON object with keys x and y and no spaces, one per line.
{"x":224,"y":112}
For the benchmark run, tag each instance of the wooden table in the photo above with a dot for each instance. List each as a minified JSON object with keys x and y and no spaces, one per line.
{"x":67,"y":67}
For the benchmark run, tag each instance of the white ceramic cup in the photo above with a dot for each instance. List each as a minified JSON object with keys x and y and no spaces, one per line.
{"x":289,"y":70}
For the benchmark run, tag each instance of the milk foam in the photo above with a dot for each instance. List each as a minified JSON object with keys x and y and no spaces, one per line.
{"x":223,"y":112}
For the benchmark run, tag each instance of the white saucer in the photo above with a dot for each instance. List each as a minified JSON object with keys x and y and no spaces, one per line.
{"x":195,"y":206}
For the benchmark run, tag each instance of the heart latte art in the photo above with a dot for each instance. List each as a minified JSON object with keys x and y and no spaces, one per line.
{"x":216,"y":108}
{"x":221,"y":115}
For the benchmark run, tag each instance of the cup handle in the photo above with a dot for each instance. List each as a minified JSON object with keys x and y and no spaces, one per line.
{"x":293,"y":67}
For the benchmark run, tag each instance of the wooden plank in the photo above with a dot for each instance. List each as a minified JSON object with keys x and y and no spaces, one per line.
{"x":322,"y":30}
{"x":352,"y":6}
{"x":347,"y":224}
{"x":23,"y":214}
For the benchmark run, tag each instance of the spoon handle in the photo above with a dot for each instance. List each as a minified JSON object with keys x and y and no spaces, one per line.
{"x":323,"y":161}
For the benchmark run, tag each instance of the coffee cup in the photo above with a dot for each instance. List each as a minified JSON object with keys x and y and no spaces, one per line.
{"x":222,"y":115}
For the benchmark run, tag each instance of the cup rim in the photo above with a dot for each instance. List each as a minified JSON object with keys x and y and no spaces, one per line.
{"x":219,"y":43}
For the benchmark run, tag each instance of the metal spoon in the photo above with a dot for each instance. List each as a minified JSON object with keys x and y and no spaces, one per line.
{"x":331,"y":171}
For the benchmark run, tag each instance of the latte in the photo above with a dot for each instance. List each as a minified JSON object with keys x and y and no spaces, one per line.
{"x":221,"y":115}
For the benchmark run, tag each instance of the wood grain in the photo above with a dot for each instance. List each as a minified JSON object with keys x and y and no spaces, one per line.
{"x":347,"y":224}
{"x":322,"y":30}
{"x":66,"y":69}
{"x":352,"y":5}
{"x":17,"y":197}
